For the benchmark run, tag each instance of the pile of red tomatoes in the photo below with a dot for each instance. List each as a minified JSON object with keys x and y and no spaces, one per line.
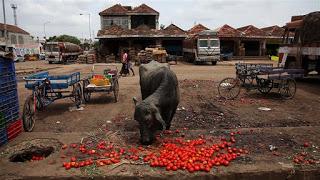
{"x":173,"y":154}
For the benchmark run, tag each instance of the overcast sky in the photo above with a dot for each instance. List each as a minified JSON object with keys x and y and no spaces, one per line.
{"x":65,"y":19}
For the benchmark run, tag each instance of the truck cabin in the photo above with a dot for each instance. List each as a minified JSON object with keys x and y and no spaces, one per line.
{"x":51,"y":47}
{"x":208,"y":42}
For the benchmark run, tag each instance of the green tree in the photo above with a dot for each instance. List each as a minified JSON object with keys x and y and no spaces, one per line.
{"x":52,"y":39}
{"x":64,"y":38}
{"x":85,"y":46}
{"x":96,"y":45}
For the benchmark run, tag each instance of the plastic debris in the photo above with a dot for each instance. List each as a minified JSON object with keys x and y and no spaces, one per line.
{"x":76,"y":109}
{"x":264,"y":109}
{"x":272,"y":147}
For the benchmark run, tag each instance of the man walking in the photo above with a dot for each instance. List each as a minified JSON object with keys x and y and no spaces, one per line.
{"x":124,"y":60}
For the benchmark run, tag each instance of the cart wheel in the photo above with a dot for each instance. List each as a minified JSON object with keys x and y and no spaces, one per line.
{"x":287,"y":88}
{"x":39,"y":95}
{"x":229,"y":88}
{"x":86,"y":92}
{"x":265,"y":85}
{"x":116,"y":90}
{"x":77,"y":94}
{"x":28,"y":114}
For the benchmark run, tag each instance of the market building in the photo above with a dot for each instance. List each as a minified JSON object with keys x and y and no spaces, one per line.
{"x":229,"y":40}
{"x":250,"y":40}
{"x":136,"y":28}
{"x":20,"y":39}
{"x":274,"y":39}
{"x":15,"y":35}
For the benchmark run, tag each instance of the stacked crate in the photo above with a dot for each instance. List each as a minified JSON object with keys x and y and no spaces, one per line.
{"x":87,"y":59}
{"x":82,"y":59}
{"x":10,"y":124}
{"x":91,"y":58}
{"x":132,"y":55}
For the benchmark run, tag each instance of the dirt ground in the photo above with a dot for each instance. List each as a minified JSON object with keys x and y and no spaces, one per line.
{"x":286,"y":126}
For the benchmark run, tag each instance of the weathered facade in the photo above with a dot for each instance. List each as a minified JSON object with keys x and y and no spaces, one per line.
{"x":250,"y":40}
{"x":274,"y":39}
{"x":136,"y":28}
{"x":128,"y":17}
{"x":229,"y":40}
{"x":15,"y":35}
{"x":253,"y":40}
{"x":20,"y":39}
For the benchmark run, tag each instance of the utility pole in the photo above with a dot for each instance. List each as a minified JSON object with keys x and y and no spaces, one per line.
{"x":44,"y":29}
{"x":89,"y":23}
{"x":4,"y":22}
{"x":14,"y":8}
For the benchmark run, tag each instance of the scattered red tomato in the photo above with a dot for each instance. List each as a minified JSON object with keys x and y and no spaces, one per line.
{"x":73,"y":145}
{"x":174,"y":153}
{"x":73,"y":159}
{"x":67,"y":167}
{"x":37,"y":158}
{"x":64,"y":146}
{"x":306,"y":144}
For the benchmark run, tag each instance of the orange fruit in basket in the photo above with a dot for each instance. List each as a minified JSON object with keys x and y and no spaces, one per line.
{"x":100,"y":82}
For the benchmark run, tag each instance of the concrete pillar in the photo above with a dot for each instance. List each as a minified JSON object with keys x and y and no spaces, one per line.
{"x":101,"y":22}
{"x":262,"y":47}
{"x":157,"y":22}
{"x":237,"y":47}
{"x":129,"y":22}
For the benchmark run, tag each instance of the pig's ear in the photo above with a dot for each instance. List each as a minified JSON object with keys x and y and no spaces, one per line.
{"x":158,"y":117}
{"x":135,"y":101}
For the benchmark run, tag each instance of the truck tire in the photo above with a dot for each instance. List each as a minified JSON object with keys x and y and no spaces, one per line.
{"x":214,"y":62}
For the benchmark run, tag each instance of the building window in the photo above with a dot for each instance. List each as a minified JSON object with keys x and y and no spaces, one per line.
{"x":120,"y":21}
{"x":13,"y":39}
{"x":20,"y":38}
{"x":117,"y":22}
{"x":124,"y":23}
